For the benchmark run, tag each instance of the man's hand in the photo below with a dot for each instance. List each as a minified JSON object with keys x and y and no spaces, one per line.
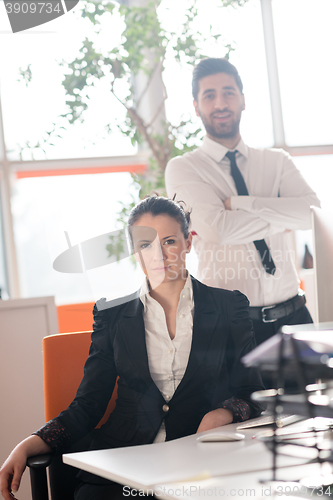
{"x":227,"y":204}
{"x":215,"y":418}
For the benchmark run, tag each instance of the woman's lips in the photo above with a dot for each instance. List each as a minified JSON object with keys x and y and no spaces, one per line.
{"x":161,"y":268}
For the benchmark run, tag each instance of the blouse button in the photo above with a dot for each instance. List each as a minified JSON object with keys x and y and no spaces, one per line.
{"x":165,"y":408}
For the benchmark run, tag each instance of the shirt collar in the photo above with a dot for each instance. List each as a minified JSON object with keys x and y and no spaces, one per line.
{"x":217,"y":152}
{"x":187,"y":291}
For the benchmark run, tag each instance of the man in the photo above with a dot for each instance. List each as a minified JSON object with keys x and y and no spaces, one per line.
{"x":245,"y":204}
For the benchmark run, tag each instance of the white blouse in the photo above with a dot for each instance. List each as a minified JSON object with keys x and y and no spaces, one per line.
{"x":167,"y":357}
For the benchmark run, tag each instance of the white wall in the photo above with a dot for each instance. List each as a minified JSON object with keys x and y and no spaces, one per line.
{"x":23,"y":324}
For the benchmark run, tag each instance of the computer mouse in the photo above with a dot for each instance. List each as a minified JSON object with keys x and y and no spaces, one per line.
{"x":219,"y":436}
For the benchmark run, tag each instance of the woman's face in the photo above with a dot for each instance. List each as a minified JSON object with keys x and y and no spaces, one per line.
{"x":160,"y":247}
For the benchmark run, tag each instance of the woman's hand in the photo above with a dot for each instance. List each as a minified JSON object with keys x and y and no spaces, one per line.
{"x":11,"y":472}
{"x":13,"y":468}
{"x":215,"y":418}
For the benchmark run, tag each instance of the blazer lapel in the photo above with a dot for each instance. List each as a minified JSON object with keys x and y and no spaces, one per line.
{"x":133,"y":334}
{"x":204,"y":325}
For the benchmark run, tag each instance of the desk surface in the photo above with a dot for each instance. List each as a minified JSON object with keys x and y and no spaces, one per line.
{"x":291,"y":482}
{"x":143,"y":467}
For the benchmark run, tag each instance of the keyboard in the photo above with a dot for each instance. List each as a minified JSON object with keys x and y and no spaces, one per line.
{"x":282,"y":420}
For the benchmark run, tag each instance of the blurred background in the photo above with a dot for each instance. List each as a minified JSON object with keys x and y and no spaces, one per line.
{"x":94,"y":103}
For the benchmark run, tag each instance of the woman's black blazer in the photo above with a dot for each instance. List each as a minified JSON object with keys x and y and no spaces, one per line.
{"x":222,"y":335}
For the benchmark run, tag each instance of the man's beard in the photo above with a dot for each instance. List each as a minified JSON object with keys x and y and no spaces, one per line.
{"x":232,"y":132}
{"x":229,"y":132}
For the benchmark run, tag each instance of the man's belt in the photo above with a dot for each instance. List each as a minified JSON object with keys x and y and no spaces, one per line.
{"x":269,"y":314}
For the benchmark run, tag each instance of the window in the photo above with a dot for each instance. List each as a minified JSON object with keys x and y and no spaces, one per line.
{"x":242,"y":27}
{"x":304,"y":38}
{"x":32,"y":109}
{"x":83,"y":205}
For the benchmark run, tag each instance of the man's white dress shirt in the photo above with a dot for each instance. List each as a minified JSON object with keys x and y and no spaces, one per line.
{"x":279,"y":201}
{"x":167,"y":358}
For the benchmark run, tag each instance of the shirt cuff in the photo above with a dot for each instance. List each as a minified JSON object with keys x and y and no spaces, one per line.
{"x":242,"y":203}
{"x":240,"y":409}
{"x":55,"y":435}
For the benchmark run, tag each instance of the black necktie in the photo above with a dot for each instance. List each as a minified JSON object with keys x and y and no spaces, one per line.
{"x":261,"y":245}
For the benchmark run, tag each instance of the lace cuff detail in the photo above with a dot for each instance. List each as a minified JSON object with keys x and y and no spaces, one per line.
{"x":55,"y":435}
{"x":240,"y":409}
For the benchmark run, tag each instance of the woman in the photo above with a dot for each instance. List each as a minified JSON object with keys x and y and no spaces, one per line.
{"x":176,"y":347}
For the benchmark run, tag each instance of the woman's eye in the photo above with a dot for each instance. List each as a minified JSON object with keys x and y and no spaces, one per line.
{"x":170,"y":242}
{"x":145,"y":245}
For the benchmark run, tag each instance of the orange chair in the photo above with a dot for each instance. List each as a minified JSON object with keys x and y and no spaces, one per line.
{"x":75,"y":317}
{"x":64,"y":356}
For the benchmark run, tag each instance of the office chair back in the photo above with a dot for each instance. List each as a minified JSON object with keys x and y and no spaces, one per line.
{"x":64,"y":356}
{"x":75,"y":317}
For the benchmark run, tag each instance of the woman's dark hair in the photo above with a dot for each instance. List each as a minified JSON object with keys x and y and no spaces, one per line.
{"x":159,"y":205}
{"x":212,"y":66}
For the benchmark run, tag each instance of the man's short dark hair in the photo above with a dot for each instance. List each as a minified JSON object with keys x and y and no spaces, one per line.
{"x":212,"y":66}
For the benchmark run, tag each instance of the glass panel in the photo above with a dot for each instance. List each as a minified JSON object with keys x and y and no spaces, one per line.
{"x":304,"y":40}
{"x":242,"y":27}
{"x":31,"y":111}
{"x":83,"y":205}
{"x":318,"y":172}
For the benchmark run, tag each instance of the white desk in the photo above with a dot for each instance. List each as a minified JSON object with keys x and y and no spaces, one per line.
{"x":143,"y":467}
{"x":254,"y":486}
